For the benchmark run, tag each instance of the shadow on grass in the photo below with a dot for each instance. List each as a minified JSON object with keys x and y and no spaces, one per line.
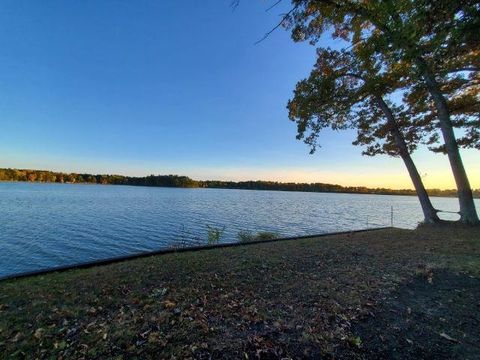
{"x":432,"y":316}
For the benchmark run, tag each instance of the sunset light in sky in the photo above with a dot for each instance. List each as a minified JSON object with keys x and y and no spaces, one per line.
{"x":118,"y":88}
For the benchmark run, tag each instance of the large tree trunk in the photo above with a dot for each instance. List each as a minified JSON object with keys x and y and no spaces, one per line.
{"x":468,"y":214}
{"x":429,"y":213}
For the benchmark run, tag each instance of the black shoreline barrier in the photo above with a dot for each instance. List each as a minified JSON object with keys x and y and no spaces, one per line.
{"x":171,"y":251}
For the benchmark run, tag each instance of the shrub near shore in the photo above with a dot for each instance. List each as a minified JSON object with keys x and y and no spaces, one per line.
{"x":248,"y":236}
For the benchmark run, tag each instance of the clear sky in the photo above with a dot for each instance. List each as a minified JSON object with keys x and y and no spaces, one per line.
{"x":142,"y":87}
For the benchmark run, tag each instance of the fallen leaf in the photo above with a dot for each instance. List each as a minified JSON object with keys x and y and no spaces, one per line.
{"x":169,"y":304}
{"x":17,"y":337}
{"x":355,"y":341}
{"x":449,"y":338}
{"x":60,"y":345}
{"x":39,"y":333}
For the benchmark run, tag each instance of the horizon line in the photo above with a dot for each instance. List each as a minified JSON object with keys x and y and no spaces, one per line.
{"x":226,"y":181}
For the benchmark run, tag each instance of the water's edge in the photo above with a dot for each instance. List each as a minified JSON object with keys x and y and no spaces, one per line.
{"x":115,"y":259}
{"x":371,"y":192}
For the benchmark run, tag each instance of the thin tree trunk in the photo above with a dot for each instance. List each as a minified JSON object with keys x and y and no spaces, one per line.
{"x":429,"y":213}
{"x":468,"y":213}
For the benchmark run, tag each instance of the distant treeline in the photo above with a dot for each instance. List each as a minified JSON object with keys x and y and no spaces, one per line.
{"x":186,"y":182}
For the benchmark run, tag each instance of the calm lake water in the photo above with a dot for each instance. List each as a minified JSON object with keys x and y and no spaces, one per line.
{"x":48,"y":225}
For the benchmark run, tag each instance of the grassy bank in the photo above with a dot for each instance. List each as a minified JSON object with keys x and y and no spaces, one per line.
{"x":388,"y":293}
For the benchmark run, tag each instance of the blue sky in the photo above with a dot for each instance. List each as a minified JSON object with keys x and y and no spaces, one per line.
{"x":141,"y":87}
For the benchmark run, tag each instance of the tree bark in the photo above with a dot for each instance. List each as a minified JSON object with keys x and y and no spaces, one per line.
{"x":468,"y":213}
{"x":429,"y":213}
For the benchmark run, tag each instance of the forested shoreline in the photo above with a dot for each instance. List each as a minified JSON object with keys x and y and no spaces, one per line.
{"x":28,"y":175}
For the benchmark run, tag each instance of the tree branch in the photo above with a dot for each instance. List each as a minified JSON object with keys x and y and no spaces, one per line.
{"x":272,"y":6}
{"x":284,"y":17}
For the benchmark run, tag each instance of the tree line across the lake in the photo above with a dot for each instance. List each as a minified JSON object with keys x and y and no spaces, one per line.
{"x":186,"y":182}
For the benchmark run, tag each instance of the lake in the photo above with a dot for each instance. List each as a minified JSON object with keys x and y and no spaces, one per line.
{"x":48,"y":225}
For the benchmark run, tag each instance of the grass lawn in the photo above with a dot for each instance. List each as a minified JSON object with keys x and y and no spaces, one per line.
{"x":381,"y":294}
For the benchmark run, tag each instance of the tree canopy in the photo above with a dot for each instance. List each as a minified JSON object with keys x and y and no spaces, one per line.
{"x":342,"y":92}
{"x":427,"y":50}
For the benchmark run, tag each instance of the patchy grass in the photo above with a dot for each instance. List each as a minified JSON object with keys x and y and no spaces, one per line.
{"x":389,"y":293}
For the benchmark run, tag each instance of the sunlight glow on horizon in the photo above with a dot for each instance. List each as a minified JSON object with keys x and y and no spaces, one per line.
{"x":395,"y":177}
{"x":106,"y":92}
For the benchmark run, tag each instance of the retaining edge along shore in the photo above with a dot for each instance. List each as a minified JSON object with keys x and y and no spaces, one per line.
{"x":145,"y":254}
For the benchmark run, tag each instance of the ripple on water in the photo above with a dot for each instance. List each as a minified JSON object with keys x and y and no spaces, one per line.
{"x":46,"y":225}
